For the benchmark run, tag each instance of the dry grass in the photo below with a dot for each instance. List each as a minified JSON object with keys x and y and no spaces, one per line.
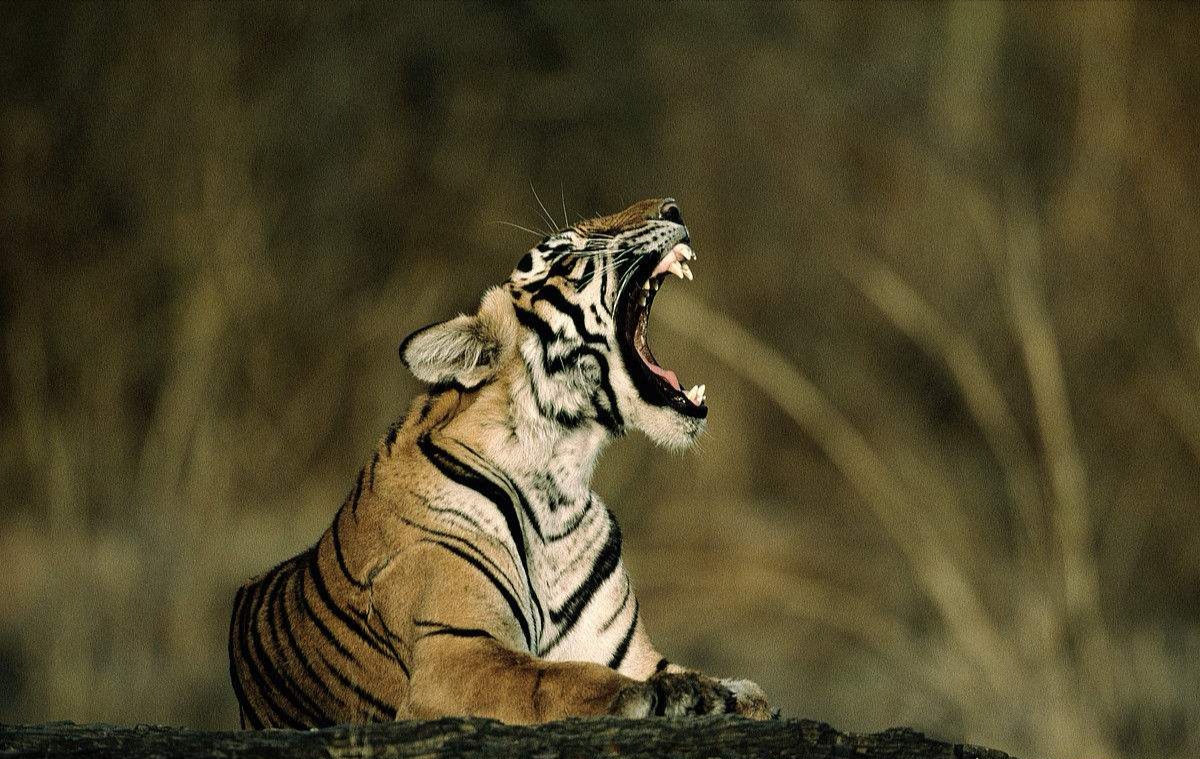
{"x":946,"y":310}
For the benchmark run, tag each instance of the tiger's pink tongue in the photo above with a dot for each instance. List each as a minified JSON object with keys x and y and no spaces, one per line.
{"x":666,"y":374}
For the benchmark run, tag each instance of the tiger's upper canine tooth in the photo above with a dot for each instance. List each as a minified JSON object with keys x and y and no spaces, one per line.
{"x":684,"y":252}
{"x":687,"y":271}
{"x":676,"y":269}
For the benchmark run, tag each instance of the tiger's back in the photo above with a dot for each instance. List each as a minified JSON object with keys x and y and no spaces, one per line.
{"x":307,"y":645}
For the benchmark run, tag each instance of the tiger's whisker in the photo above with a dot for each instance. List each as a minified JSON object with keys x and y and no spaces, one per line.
{"x":549,"y":218}
{"x":533,"y":232}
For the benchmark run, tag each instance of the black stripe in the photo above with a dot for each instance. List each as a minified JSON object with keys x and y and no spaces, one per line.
{"x":365,"y":619}
{"x":291,"y":691}
{"x":277,"y":608}
{"x":564,"y":419}
{"x":605,"y":564}
{"x":249,"y":640}
{"x":461,"y":514}
{"x":357,"y":493}
{"x":248,"y":714}
{"x":460,"y":632}
{"x":605,"y":273}
{"x":337,"y":611}
{"x":451,"y":630}
{"x":326,"y":633}
{"x":276,"y":715}
{"x":543,"y":330}
{"x":503,"y":498}
{"x":374,"y":463}
{"x":393,"y":638}
{"x":507,"y":487}
{"x":508,"y":597}
{"x":573,"y":524}
{"x":299,"y":655}
{"x":623,"y":647}
{"x":468,"y":544}
{"x":662,"y":664}
{"x":383,"y":708}
{"x":390,"y":638}
{"x":391,"y":434}
{"x":609,"y":417}
{"x":562,"y":266}
{"x":555,"y":297}
{"x":460,"y":473}
{"x":620,"y":607}
{"x":588,"y":268}
{"x":341,"y":558}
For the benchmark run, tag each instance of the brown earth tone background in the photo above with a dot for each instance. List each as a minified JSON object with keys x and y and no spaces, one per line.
{"x":947,"y":308}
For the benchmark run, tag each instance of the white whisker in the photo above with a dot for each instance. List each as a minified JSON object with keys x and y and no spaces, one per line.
{"x":549,"y":218}
{"x":533,"y":232}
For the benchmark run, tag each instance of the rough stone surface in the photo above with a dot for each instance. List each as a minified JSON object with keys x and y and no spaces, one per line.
{"x":686,"y":737}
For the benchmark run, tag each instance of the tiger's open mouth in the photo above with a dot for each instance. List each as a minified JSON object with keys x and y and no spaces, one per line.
{"x":656,"y":384}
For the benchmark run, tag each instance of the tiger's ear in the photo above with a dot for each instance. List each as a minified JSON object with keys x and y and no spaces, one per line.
{"x":466,"y":350}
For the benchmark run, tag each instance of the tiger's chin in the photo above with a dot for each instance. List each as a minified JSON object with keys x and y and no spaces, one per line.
{"x":667,"y":427}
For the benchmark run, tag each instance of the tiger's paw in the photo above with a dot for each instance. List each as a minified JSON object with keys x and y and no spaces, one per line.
{"x":670,"y":694}
{"x":749,"y":700}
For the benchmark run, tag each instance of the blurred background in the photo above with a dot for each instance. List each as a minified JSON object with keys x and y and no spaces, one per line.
{"x":946,"y":308}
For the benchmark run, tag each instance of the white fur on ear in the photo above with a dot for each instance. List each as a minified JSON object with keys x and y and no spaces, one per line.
{"x":467,"y":350}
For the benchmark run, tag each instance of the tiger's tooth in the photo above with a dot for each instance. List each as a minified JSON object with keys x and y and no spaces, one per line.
{"x":646,"y":285}
{"x":700,"y":395}
{"x":687,"y":271}
{"x":676,"y":268}
{"x":686,"y":251}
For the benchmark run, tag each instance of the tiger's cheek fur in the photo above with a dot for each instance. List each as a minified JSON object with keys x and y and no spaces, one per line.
{"x":659,"y":423}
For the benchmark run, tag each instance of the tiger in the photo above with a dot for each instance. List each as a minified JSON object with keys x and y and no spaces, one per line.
{"x":471,"y":570}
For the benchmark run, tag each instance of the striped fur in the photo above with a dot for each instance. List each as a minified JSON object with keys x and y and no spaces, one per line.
{"x":471,"y":570}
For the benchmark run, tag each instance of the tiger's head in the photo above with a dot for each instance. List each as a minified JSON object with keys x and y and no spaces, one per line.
{"x":573,"y":318}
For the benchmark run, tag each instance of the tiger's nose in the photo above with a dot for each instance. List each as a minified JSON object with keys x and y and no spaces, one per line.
{"x":669,"y":211}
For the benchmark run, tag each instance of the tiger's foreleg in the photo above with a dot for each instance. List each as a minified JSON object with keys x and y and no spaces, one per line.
{"x":467,"y":641}
{"x":480,"y":676}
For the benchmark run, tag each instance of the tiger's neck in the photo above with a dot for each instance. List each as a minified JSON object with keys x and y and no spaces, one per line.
{"x":550,"y":461}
